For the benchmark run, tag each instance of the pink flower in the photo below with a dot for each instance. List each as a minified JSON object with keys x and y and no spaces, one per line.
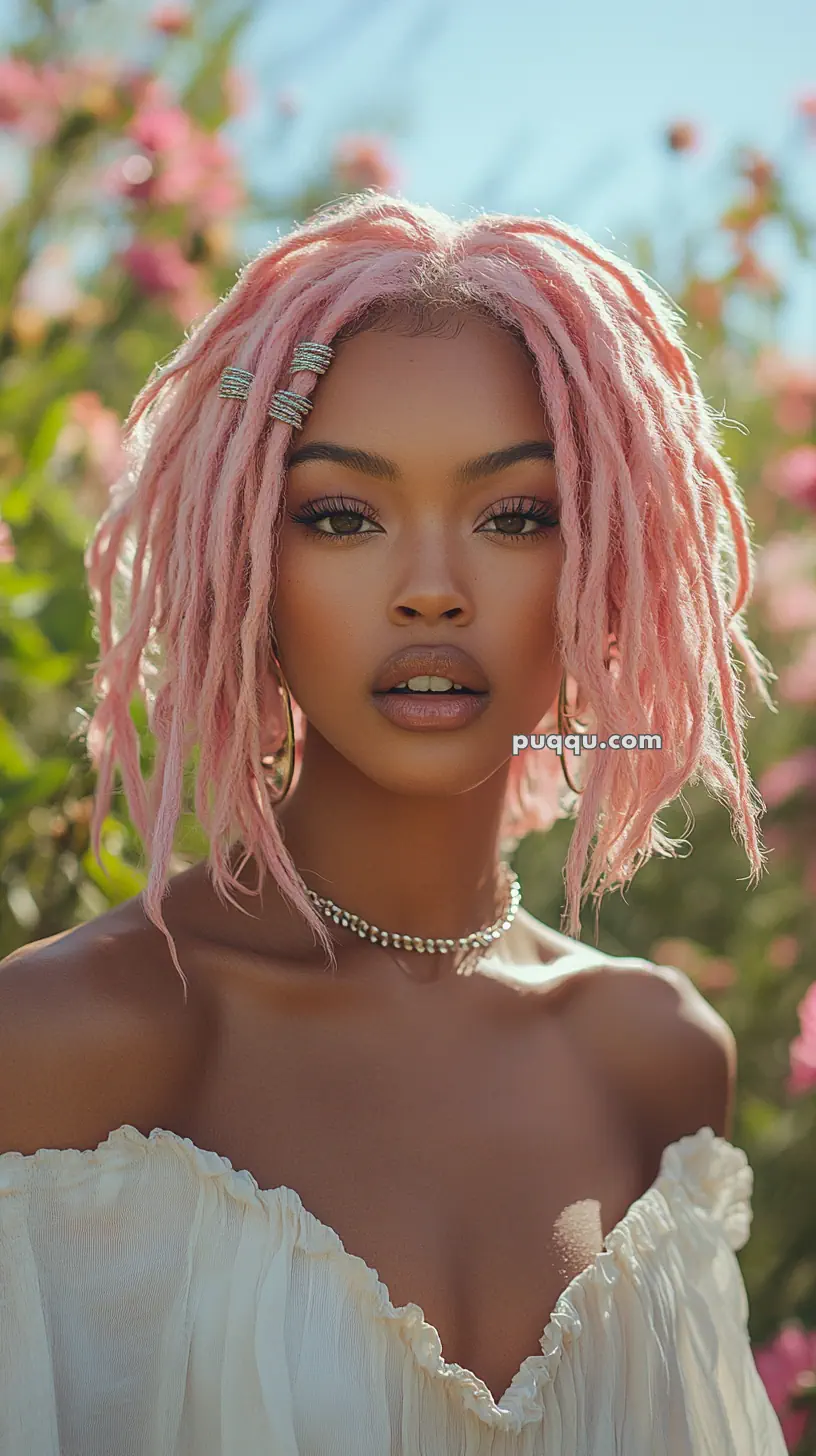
{"x":145,"y":90}
{"x":797,"y":683}
{"x":158,"y":268}
{"x":806,"y":108}
{"x":710,"y":973}
{"x":791,"y":383}
{"x":161,"y":128}
{"x":50,"y":284}
{"x":29,"y":103}
{"x":786,"y":1365}
{"x":803,"y":1048}
{"x":783,"y":952}
{"x":751,"y":271}
{"x":191,"y":304}
{"x":758,"y":169}
{"x":794,"y":414}
{"x":360,"y":162}
{"x":793,"y":475}
{"x":102,"y":432}
{"x":170,"y":19}
{"x":6,"y":543}
{"x":786,"y":581}
{"x":705,"y":300}
{"x":788,"y":777}
{"x":184,"y":167}
{"x":683,"y":136}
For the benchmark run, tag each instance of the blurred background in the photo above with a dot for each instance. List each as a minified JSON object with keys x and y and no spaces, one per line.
{"x":146,"y":153}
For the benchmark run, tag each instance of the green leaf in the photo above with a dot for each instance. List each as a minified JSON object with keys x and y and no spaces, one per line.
{"x":46,"y":437}
{"x":117,"y":880}
{"x":16,"y":759}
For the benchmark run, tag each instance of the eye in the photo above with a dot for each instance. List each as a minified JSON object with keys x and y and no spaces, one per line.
{"x":336,"y":518}
{"x":518,"y":513}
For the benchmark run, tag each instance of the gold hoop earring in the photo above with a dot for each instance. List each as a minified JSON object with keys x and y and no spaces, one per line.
{"x":565,"y":727}
{"x":279,"y":767}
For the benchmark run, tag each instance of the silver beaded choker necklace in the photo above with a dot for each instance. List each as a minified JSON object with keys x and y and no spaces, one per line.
{"x":434,"y":945}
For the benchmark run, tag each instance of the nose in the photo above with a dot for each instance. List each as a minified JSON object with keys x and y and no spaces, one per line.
{"x":432,"y":606}
{"x":431,"y":593}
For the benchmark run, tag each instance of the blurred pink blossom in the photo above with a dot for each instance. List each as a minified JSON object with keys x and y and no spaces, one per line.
{"x":170,"y":19}
{"x":103,"y":434}
{"x":161,"y":128}
{"x":786,"y":1366}
{"x":791,"y":383}
{"x":788,"y":777}
{"x":710,"y":973}
{"x":29,"y":100}
{"x":793,"y":414}
{"x":49,"y":285}
{"x":88,"y":451}
{"x":158,"y":267}
{"x":182,"y":166}
{"x":683,"y":136}
{"x":797,"y":682}
{"x":145,"y":90}
{"x":783,"y":952}
{"x":362,"y":161}
{"x":786,"y":581}
{"x":191,"y":304}
{"x":803,"y":1048}
{"x":161,"y":270}
{"x":793,"y":475}
{"x":6,"y":542}
{"x":775,"y":371}
{"x":806,"y":108}
{"x":755,"y":274}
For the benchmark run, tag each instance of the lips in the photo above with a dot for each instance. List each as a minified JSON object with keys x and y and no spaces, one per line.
{"x":440,"y":661}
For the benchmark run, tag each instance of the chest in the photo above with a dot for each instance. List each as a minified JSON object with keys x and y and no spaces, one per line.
{"x":477,"y":1170}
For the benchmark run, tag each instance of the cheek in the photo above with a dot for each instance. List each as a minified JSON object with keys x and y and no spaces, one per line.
{"x":527,"y":604}
{"x":319,"y":612}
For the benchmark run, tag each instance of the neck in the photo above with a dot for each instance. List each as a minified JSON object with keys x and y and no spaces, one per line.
{"x":416,"y":864}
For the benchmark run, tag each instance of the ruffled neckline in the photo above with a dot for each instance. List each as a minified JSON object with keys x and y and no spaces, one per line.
{"x":700,"y":1171}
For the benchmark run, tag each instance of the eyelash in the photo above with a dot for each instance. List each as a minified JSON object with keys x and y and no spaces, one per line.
{"x":320,"y":510}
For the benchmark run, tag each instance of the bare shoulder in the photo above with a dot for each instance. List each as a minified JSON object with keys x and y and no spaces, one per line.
{"x":92,"y":1036}
{"x":671,"y":1055}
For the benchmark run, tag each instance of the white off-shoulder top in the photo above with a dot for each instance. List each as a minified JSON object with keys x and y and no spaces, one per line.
{"x":156,"y":1302}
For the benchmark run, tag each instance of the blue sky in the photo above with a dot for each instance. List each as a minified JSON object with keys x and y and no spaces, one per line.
{"x":557,"y":108}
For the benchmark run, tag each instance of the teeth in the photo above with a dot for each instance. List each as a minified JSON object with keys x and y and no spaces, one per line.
{"x":430,"y":685}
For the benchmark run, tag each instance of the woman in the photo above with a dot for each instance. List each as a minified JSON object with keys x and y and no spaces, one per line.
{"x":414,"y":491}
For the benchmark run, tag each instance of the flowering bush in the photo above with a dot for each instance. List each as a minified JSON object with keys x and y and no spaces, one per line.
{"x":149,"y":164}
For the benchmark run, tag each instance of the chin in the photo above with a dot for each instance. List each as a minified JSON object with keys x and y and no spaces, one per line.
{"x":440,"y":770}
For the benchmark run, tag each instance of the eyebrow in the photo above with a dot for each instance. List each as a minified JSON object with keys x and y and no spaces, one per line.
{"x":368,"y":463}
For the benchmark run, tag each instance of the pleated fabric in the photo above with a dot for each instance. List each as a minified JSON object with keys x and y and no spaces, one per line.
{"x":155,"y":1302}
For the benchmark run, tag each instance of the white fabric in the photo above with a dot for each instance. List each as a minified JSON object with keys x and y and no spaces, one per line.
{"x":155,"y":1302}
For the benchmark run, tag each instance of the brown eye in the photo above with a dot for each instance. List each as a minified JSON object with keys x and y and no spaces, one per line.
{"x":336,"y":519}
{"x":513,"y":516}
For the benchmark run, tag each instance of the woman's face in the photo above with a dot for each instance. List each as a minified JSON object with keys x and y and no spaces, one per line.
{"x":370,"y":563}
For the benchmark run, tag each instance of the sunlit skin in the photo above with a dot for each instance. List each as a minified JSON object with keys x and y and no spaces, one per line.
{"x":403,"y":827}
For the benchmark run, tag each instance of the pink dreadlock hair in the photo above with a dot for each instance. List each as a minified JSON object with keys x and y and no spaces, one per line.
{"x":657,"y":557}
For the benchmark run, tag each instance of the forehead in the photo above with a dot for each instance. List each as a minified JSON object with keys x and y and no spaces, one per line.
{"x":478,"y":382}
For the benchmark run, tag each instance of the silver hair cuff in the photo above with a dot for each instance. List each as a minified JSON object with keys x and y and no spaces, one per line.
{"x":286,"y":405}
